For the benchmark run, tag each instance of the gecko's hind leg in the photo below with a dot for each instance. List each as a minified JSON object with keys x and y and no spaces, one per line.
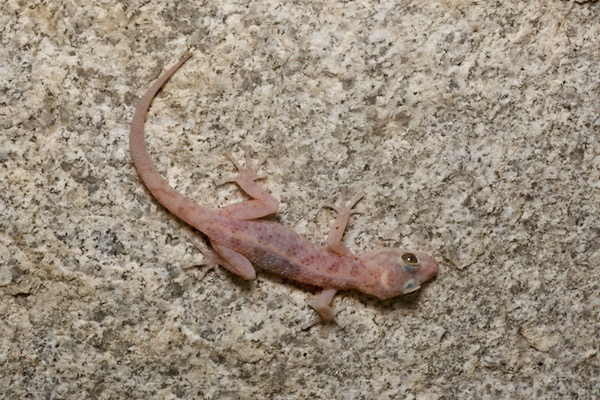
{"x":227,"y":258}
{"x":235,"y":262}
{"x":211,"y":259}
{"x":262,"y":203}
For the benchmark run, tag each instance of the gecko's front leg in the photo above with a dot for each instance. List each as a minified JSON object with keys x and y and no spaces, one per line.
{"x":344,"y":210}
{"x":322,"y":305}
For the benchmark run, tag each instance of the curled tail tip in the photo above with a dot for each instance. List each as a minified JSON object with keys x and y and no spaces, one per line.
{"x":187,"y":55}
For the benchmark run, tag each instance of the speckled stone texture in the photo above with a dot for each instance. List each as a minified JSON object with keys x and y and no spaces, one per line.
{"x":472,"y":129}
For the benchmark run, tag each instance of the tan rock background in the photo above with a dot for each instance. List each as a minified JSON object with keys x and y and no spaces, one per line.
{"x":472,"y":128}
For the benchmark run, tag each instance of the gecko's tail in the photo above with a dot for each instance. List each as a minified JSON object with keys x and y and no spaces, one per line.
{"x":166,"y":195}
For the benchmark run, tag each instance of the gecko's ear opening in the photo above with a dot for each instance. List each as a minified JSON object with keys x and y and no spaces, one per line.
{"x":411,"y":286}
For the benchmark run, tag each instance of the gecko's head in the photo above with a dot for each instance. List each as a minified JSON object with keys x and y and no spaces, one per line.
{"x":397,"y":271}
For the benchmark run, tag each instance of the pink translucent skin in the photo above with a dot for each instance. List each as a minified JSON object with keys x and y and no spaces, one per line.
{"x":396,"y":276}
{"x":240,"y":239}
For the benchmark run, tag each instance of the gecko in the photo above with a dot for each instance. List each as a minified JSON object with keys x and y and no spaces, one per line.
{"x":241,"y":237}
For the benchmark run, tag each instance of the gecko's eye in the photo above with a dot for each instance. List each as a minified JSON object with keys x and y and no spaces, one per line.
{"x":410,"y":263}
{"x":410,"y":259}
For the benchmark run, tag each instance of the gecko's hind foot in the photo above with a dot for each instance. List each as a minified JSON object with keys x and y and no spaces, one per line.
{"x":246,"y":174}
{"x":200,"y":273}
{"x":211,"y":259}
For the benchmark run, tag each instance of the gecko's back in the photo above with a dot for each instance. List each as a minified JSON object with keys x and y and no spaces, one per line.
{"x":282,"y":251}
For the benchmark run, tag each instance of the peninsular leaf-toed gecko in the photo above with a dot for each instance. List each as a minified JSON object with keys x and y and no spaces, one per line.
{"x":240,"y":238}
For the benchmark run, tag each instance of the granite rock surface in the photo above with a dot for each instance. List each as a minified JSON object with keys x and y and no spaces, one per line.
{"x":472,"y":129}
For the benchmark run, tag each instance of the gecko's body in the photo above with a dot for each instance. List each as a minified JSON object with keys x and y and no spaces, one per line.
{"x":240,"y":239}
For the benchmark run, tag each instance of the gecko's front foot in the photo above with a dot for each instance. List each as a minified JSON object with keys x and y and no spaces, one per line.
{"x":322,"y":305}
{"x":344,"y":210}
{"x":346,"y":207}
